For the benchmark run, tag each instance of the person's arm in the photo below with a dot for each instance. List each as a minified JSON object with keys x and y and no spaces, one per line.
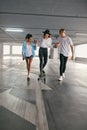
{"x":55,"y":45}
{"x":49,"y":43}
{"x":72,"y":50}
{"x":35,"y":42}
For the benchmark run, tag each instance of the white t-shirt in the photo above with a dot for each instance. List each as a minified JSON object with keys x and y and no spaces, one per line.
{"x":28,"y":51}
{"x":64,"y":47}
{"x":46,"y":43}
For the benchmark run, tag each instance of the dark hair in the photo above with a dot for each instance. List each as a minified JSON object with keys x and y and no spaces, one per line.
{"x":61,"y":30}
{"x":28,"y":36}
{"x":47,"y":32}
{"x":44,"y":35}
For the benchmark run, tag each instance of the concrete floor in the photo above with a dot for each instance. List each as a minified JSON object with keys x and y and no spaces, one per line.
{"x":34,"y":105}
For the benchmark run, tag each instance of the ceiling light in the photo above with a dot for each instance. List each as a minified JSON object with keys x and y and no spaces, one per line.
{"x":82,"y":34}
{"x":13,"y":30}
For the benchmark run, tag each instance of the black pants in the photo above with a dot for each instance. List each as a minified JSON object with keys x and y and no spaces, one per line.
{"x":63,"y":61}
{"x":43,"y":56}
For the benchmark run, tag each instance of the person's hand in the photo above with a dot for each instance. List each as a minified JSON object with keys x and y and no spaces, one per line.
{"x":55,"y":45}
{"x":72,"y":58}
{"x":35,"y":41}
{"x":23,"y":58}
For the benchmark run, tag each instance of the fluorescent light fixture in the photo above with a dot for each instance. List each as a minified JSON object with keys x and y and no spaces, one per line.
{"x":13,"y":30}
{"x":81,"y":34}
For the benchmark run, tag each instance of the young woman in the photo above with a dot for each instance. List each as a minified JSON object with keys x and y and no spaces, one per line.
{"x":28,"y":53}
{"x":43,"y":50}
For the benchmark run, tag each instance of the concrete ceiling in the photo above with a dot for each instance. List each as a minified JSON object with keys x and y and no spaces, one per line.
{"x":37,"y":15}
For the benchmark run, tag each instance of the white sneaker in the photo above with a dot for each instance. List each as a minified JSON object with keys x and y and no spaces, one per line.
{"x":60,"y":78}
{"x":63,"y":75}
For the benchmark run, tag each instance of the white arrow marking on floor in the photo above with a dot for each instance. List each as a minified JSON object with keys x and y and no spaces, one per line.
{"x":42,"y":123}
{"x":20,"y":107}
{"x":33,"y":113}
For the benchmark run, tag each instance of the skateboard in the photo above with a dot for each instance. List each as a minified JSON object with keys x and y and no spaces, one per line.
{"x":42,"y":77}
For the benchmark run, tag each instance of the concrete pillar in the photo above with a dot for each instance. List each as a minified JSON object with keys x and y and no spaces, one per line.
{"x":55,"y":53}
{"x":1,"y":53}
{"x":1,"y":50}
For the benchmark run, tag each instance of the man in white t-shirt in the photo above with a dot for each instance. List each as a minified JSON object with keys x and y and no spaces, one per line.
{"x":65,"y":43}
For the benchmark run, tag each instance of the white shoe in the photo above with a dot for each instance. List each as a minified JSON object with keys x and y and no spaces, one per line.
{"x":63,"y":75}
{"x":60,"y":78}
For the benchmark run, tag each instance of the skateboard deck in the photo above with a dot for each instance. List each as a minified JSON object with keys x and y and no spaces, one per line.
{"x":42,"y":77}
